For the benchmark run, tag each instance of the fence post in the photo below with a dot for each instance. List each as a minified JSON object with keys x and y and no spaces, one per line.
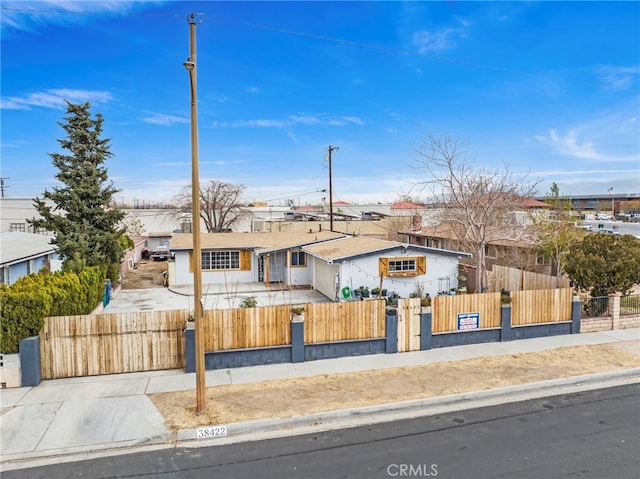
{"x":190,"y":348}
{"x":391,"y":326}
{"x":576,"y":310}
{"x":614,"y":310}
{"x":297,"y":341}
{"x":425,"y":330}
{"x":506,"y":333}
{"x":30,"y":364}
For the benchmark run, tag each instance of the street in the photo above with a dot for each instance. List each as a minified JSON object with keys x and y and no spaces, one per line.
{"x":591,"y":434}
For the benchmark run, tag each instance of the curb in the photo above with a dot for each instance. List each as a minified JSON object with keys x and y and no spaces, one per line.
{"x":342,"y":418}
{"x":378,"y":413}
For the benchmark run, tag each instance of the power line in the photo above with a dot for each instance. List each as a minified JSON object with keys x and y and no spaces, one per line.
{"x":315,"y":36}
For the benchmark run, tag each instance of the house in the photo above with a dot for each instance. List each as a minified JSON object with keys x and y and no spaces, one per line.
{"x":376,"y":263}
{"x":25,"y":253}
{"x":326,"y":261}
{"x":246,"y":257}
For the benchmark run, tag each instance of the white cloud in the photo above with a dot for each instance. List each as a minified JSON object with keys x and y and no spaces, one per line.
{"x":22,"y":15}
{"x":427,"y":41}
{"x":54,"y":98}
{"x":164,"y":120}
{"x":617,"y":78}
{"x":253,"y":89}
{"x":302,"y":119}
{"x":607,"y":137}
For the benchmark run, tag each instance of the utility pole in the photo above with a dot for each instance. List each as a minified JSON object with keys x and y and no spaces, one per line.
{"x":2,"y":185}
{"x":330,"y":149}
{"x":198,"y":307}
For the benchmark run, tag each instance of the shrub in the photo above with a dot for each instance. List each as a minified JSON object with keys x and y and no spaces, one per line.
{"x":249,"y":302}
{"x":22,"y":315}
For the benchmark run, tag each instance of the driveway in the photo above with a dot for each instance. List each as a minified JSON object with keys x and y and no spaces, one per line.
{"x":215,"y":296}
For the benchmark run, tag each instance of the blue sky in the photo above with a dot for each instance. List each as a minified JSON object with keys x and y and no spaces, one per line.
{"x":550,"y":88}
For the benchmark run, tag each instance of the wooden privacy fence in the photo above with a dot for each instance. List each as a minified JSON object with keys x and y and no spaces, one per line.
{"x":445,"y":310}
{"x":247,"y":328}
{"x":144,"y":341}
{"x":344,"y":321}
{"x":512,"y":279}
{"x":541,"y":306}
{"x":112,"y":343}
{"x":270,"y":326}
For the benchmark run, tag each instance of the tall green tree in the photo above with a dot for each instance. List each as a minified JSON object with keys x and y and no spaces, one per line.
{"x":81,"y":213}
{"x":604,"y":264}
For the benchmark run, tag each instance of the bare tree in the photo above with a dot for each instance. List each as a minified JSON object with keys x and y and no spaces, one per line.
{"x":220,"y":205}
{"x":481,"y":205}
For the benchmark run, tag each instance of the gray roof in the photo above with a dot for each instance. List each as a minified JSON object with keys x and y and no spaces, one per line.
{"x":17,"y":246}
{"x":351,"y":247}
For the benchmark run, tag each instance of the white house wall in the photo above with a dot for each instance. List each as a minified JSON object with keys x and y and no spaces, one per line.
{"x":324,"y":277}
{"x":184,"y":276}
{"x":364,"y":272}
{"x":299,"y":276}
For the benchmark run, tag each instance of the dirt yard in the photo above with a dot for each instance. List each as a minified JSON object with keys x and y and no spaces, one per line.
{"x":286,"y":398}
{"x":147,"y":275}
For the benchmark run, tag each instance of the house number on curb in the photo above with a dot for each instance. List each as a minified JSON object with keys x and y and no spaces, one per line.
{"x":211,"y":431}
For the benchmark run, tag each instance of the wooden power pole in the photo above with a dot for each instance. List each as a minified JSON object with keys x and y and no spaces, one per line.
{"x":330,"y":149}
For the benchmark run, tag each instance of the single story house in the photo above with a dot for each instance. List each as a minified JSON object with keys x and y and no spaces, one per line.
{"x":326,"y":261}
{"x":25,"y":253}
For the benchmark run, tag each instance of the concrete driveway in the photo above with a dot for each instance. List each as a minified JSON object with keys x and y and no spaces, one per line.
{"x":214,"y":296}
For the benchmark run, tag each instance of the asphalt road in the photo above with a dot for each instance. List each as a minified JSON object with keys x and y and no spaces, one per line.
{"x":592,"y":434}
{"x":621,"y":227}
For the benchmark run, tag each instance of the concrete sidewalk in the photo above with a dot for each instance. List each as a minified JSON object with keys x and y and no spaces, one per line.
{"x":81,"y":417}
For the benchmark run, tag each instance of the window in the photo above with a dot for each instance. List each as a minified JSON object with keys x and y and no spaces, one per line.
{"x":298,"y":258}
{"x":403,"y":266}
{"x":214,"y":260}
{"x":17,"y":227}
{"x":398,"y":265}
{"x":5,"y":276}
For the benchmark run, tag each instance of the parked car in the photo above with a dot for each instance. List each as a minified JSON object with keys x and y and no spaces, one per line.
{"x":162,"y":253}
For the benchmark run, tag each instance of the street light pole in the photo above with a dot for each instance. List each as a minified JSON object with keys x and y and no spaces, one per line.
{"x":198,"y":307}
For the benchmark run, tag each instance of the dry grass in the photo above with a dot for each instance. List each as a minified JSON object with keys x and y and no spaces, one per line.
{"x":290,"y":397}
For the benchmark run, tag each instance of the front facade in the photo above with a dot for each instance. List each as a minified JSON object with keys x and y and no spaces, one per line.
{"x":331,"y":263}
{"x":246,"y":258}
{"x":350,"y":263}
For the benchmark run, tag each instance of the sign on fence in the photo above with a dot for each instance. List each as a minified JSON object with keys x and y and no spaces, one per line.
{"x":468,"y":321}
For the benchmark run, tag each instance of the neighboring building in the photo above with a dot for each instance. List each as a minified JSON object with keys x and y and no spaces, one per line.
{"x":325,"y":261}
{"x":521,"y":254}
{"x":25,"y":253}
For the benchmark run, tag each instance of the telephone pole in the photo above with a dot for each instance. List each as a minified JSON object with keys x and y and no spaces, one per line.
{"x":2,"y":185}
{"x":198,"y":307}
{"x":330,"y":149}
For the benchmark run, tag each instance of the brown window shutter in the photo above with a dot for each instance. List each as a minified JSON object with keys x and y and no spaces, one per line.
{"x":191,"y":261}
{"x":245,"y":260}
{"x":421,"y":265}
{"x":383,"y":266}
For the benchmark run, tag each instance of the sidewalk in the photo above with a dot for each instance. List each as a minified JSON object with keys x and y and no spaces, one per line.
{"x":78,"y":417}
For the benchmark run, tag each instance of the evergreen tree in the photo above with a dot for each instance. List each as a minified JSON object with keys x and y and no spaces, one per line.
{"x":80,"y":212}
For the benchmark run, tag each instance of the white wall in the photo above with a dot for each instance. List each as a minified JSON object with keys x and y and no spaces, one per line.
{"x":364,"y":272}
{"x":183,"y":276}
{"x":324,"y":277}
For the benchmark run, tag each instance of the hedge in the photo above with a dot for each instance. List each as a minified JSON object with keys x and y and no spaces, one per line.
{"x":25,"y":304}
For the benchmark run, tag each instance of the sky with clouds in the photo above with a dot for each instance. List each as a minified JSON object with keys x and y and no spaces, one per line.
{"x":549,"y":88}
